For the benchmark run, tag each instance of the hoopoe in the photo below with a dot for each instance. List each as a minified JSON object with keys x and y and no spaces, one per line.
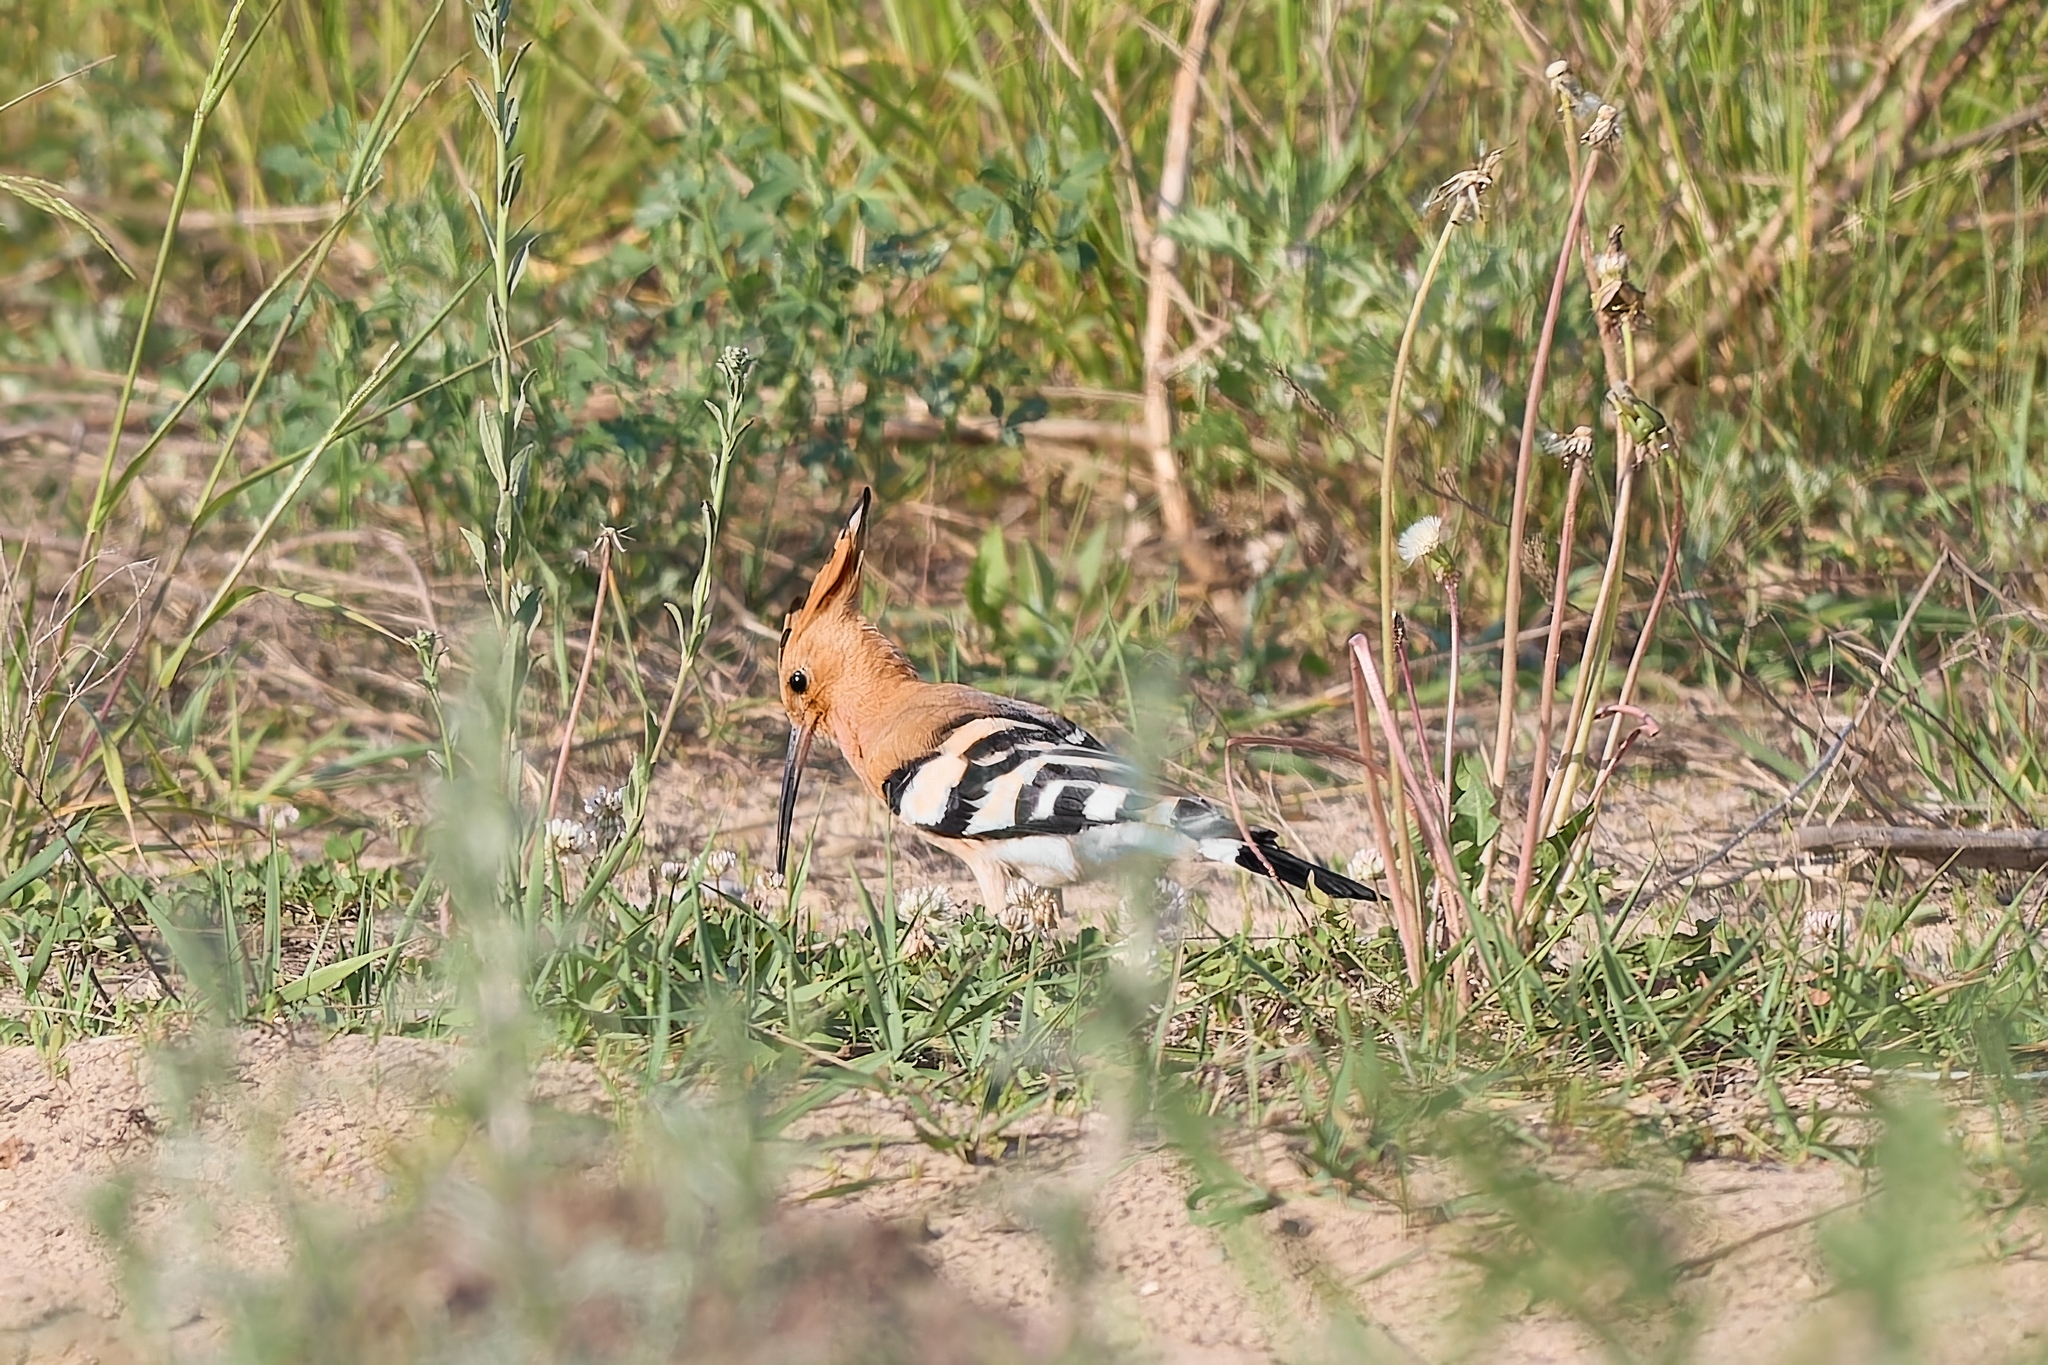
{"x":1011,"y":789}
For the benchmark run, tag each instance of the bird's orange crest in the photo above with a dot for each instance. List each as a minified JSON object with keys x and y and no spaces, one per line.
{"x":836,"y":589}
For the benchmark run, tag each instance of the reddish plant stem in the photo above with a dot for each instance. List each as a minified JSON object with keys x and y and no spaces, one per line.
{"x":604,"y":584}
{"x":1432,"y":830}
{"x":1553,"y":645}
{"x":1451,"y":703}
{"x":1415,"y":709}
{"x":1407,"y":917}
{"x":1518,"y":519}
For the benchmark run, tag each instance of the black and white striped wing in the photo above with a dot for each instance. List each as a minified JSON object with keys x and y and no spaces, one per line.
{"x":1014,"y":775}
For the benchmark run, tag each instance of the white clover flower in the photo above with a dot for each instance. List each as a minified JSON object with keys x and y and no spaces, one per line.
{"x":672,"y":871}
{"x":718,"y":862}
{"x":606,"y":808}
{"x":928,"y":901}
{"x":770,"y":891}
{"x":277,"y":816}
{"x":1421,"y":540}
{"x":568,"y":836}
{"x":1364,"y":865}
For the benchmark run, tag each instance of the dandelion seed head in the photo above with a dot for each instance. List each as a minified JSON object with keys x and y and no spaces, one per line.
{"x":1423,"y":538}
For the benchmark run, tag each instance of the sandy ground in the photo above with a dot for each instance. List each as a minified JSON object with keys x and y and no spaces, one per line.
{"x":336,"y":1122}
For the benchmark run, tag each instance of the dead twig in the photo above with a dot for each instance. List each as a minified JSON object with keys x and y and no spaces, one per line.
{"x":2019,"y":850}
{"x":1175,"y":506}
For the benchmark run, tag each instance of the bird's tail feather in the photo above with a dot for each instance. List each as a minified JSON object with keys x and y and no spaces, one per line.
{"x":1268,"y":859}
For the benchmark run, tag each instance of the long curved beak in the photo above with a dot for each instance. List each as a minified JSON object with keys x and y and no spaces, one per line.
{"x":792,"y":773}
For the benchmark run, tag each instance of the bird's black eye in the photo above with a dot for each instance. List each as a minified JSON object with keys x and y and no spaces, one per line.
{"x":799,"y":682}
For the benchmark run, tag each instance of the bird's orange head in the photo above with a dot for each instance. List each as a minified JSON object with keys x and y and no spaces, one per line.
{"x":835,"y":667}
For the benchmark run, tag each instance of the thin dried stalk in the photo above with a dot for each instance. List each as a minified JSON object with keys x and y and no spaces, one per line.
{"x":1539,"y":775}
{"x":1408,"y":926}
{"x":1175,"y":507}
{"x":607,"y":541}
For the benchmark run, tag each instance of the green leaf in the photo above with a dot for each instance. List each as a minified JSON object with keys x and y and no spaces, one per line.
{"x":324,"y":979}
{"x":35,"y":867}
{"x":988,"y":580}
{"x":1209,"y":228}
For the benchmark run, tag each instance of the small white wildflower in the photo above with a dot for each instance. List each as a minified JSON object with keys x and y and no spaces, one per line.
{"x":770,"y":891}
{"x":606,"y":808}
{"x":1364,"y":865}
{"x":1421,"y":540}
{"x":929,"y":901}
{"x":672,"y":871}
{"x":277,"y":816}
{"x":568,"y":836}
{"x":718,"y":862}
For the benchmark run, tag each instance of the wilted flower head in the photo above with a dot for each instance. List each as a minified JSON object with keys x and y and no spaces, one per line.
{"x":1570,"y":447}
{"x":1423,"y":538}
{"x":606,"y":808}
{"x":1645,"y":425}
{"x":1605,"y":129}
{"x":1582,"y":102}
{"x":1611,"y":264}
{"x":1463,"y":191}
{"x":1615,"y":294}
{"x":770,"y":891}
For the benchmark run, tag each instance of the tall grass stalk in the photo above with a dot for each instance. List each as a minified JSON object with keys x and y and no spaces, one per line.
{"x":1409,"y":927}
{"x":608,"y":544}
{"x":736,"y":374}
{"x":1389,"y":448}
{"x":1449,"y":889}
{"x":229,"y":592}
{"x":227,"y":61}
{"x":505,"y":412}
{"x":364,"y":176}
